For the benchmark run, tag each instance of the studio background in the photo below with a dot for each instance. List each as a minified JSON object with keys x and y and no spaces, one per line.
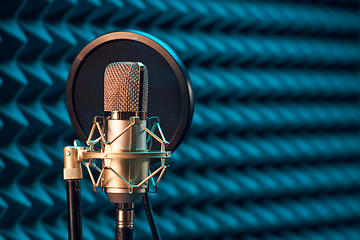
{"x":273,"y":151}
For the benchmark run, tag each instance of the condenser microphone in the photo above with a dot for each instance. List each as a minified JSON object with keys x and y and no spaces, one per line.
{"x":125,"y":96}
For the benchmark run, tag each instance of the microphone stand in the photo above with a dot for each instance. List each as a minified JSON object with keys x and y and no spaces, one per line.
{"x":72,"y":175}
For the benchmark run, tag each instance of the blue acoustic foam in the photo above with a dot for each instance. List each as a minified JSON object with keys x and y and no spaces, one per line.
{"x":273,"y":150}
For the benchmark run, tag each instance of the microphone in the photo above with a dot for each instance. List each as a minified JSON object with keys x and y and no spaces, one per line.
{"x":125,"y":171}
{"x":125,"y":96}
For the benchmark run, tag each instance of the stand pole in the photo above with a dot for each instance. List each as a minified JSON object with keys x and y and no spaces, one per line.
{"x":74,"y":209}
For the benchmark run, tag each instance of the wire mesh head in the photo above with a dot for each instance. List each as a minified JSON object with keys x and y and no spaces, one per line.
{"x":125,"y":87}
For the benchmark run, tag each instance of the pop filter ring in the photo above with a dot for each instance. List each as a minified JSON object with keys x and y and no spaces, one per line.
{"x":170,"y":90}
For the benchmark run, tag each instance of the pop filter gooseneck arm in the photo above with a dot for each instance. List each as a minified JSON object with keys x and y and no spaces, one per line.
{"x":170,"y":99}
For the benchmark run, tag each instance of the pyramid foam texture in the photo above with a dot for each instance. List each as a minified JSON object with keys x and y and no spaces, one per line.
{"x":274,"y":149}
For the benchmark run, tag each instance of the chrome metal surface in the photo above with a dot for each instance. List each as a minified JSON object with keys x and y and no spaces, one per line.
{"x":124,"y":215}
{"x":116,"y":115}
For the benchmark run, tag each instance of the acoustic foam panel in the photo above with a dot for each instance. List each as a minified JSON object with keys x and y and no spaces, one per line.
{"x":273,"y":151}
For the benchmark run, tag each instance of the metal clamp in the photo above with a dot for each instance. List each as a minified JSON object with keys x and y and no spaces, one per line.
{"x":107,"y":155}
{"x":72,"y":166}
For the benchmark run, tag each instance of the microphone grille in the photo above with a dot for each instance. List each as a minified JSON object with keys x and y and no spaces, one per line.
{"x":126,"y":87}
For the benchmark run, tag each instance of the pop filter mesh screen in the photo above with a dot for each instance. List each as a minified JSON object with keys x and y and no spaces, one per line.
{"x":165,"y":99}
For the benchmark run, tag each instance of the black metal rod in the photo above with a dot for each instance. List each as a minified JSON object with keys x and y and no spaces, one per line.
{"x":74,"y":209}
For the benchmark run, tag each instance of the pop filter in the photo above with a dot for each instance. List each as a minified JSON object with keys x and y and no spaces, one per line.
{"x":170,"y":92}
